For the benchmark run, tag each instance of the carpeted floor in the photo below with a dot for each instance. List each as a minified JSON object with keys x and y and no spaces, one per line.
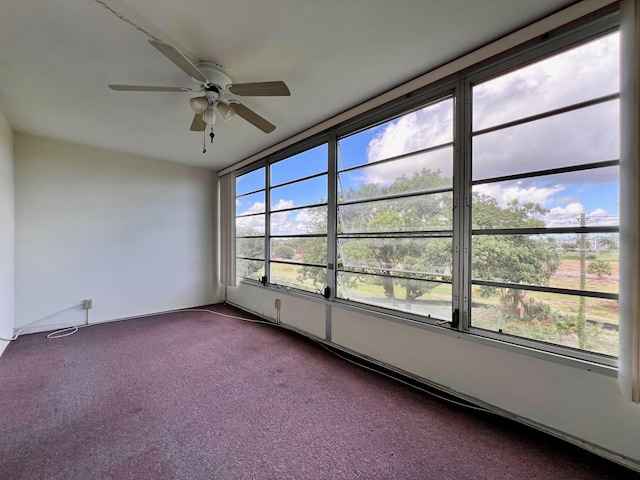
{"x":194,"y":395}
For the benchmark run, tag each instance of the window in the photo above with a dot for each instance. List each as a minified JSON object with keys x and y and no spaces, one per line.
{"x":298,"y":221}
{"x":545,"y":156}
{"x":250,"y":224}
{"x":395,"y":224}
{"x":487,"y":203}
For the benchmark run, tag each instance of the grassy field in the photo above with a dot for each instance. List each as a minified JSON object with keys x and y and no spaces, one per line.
{"x":559,"y":327}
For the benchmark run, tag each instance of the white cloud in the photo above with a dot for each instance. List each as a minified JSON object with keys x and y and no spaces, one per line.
{"x":303,"y":217}
{"x":562,"y":212}
{"x":291,"y":222}
{"x":414,"y":131}
{"x":430,"y":126}
{"x":254,"y":223}
{"x":543,"y":85}
{"x":386,"y":173}
{"x":588,"y":135}
{"x":256,"y":207}
{"x":571,"y":215}
{"x":517,"y":191}
{"x":582,"y":136}
{"x":568,"y":216}
{"x":283,"y":204}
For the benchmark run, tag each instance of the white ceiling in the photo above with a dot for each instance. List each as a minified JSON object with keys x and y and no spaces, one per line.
{"x":57,"y":57}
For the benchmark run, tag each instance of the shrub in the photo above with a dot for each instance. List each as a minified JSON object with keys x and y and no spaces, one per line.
{"x":284,"y":251}
{"x":599,"y":268}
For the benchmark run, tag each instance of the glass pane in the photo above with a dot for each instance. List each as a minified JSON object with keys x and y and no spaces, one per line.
{"x":580,"y":74}
{"x":577,"y":261}
{"x":307,"y":192}
{"x":573,"y":138}
{"x":587,"y":323}
{"x":250,"y":182}
{"x":250,"y":226}
{"x":302,"y":165}
{"x":417,"y":130}
{"x":409,"y":295}
{"x":404,"y":256}
{"x":249,"y":204}
{"x":252,"y":269}
{"x":584,"y":198}
{"x":419,"y":213}
{"x":310,"y":279}
{"x":250,"y":247}
{"x":416,"y":173}
{"x":300,"y":250}
{"x":300,"y":221}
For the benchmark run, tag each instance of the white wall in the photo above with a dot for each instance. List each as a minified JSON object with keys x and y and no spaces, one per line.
{"x":133,"y":234}
{"x":7,"y":233}
{"x":579,"y":404}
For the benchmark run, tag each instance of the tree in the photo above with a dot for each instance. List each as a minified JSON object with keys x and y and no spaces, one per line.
{"x":284,"y":251}
{"x":398,"y":255}
{"x":517,"y":258}
{"x":387,"y":260}
{"x":608,"y":243}
{"x":249,"y":244}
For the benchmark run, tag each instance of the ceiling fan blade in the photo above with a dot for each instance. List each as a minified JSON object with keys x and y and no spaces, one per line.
{"x":253,"y":118}
{"x":173,"y":54}
{"x":260,"y":89}
{"x":147,"y":88}
{"x":198,"y":124}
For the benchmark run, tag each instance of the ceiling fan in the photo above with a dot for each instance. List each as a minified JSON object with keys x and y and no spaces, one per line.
{"x":213,"y":82}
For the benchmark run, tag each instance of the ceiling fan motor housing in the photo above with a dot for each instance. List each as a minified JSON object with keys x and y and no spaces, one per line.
{"x":217,"y":76}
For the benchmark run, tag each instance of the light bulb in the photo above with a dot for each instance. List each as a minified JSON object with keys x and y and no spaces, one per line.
{"x":199,"y":104}
{"x":227,"y":111}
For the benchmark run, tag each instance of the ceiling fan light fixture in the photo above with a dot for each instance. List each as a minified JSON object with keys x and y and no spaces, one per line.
{"x":210,"y":115}
{"x":226,"y":111}
{"x":199,"y":104}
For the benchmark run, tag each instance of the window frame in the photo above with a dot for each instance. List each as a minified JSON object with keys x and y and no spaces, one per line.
{"x":433,"y":95}
{"x":250,"y":169}
{"x":269,"y":211}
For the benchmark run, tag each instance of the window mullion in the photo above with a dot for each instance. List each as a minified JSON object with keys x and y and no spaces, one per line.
{"x":461,"y":210}
{"x":332,"y":207}
{"x":267,"y":222}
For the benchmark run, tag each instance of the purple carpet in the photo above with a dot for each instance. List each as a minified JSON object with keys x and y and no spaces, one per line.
{"x":195,"y":395}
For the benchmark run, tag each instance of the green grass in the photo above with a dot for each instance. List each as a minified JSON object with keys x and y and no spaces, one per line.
{"x":486,"y":312}
{"x":289,"y":276}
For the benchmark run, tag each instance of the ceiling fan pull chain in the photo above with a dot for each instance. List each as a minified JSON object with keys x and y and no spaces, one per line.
{"x":204,"y":143}
{"x":212,"y":134}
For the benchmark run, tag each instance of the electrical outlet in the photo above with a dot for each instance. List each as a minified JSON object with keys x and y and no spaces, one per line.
{"x":277,"y":304}
{"x":87,"y":304}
